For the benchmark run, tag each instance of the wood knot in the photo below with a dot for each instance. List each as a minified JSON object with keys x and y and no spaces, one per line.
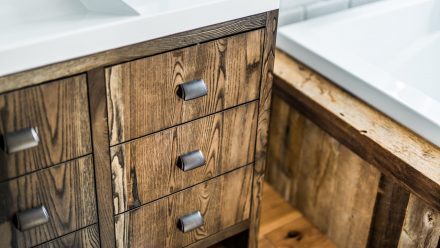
{"x":294,"y":235}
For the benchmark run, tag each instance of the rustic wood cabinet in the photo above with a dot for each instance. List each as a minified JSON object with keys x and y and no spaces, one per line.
{"x":353,"y":172}
{"x":157,"y":144}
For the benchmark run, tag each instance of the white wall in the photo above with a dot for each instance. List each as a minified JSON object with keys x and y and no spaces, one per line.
{"x":298,"y":10}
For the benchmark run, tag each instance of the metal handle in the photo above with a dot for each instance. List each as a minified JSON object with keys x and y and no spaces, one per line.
{"x":191,"y":160}
{"x":190,"y":222}
{"x":20,"y":140}
{"x":192,"y":90}
{"x":31,"y":218}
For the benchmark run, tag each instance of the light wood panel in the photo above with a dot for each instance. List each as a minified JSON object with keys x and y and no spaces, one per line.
{"x":127,"y":53}
{"x":84,"y":238}
{"x":263,"y":122}
{"x":66,"y":190}
{"x":145,"y":169}
{"x":101,"y":156}
{"x":421,"y":228}
{"x":223,"y":201}
{"x":333,"y":187}
{"x":284,"y":226}
{"x":396,"y":151}
{"x":142,"y":94}
{"x":60,"y":113}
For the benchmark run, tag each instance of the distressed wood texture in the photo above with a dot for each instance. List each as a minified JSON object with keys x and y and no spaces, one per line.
{"x":68,"y":193}
{"x":84,"y":238}
{"x":60,"y":113}
{"x":263,"y":123}
{"x":421,"y":228}
{"x":142,"y":94}
{"x":101,"y":156}
{"x":145,"y":169}
{"x":332,"y":186}
{"x":123,"y":54}
{"x":411,"y":161}
{"x":389,"y":214}
{"x":223,"y":201}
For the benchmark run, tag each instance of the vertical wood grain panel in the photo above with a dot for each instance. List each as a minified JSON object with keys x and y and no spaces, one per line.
{"x":223,"y":201}
{"x":389,"y":214}
{"x":68,"y":193}
{"x":101,"y":156}
{"x":333,"y":187}
{"x":59,"y":111}
{"x":84,"y":238}
{"x":142,"y":94}
{"x":263,"y":123}
{"x":145,"y":169}
{"x":421,"y":228}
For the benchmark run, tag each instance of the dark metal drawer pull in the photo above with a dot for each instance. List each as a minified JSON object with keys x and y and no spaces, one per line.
{"x":191,"y":160}
{"x":31,"y":218}
{"x":190,"y":222}
{"x":192,"y":90}
{"x":20,"y":140}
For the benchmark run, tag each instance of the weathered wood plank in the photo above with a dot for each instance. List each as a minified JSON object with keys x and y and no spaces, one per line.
{"x":68,"y":193}
{"x":101,"y":156}
{"x":131,"y":52}
{"x":263,"y":123}
{"x":142,"y":94}
{"x":333,"y":187}
{"x":60,"y":113}
{"x":223,"y":202}
{"x":145,"y":169}
{"x":389,"y":214}
{"x":84,"y":238}
{"x":393,"y":149}
{"x":421,"y":228}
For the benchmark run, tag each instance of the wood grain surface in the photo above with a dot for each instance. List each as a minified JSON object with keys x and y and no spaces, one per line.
{"x":68,"y":193}
{"x":101,"y":156}
{"x":223,"y":201}
{"x":389,"y":214}
{"x":421,"y":228}
{"x":142,"y":94}
{"x":84,"y":238}
{"x":60,"y":113}
{"x":145,"y":169}
{"x":127,"y":53}
{"x":332,"y":186}
{"x":397,"y":152}
{"x":284,"y":226}
{"x":263,"y":123}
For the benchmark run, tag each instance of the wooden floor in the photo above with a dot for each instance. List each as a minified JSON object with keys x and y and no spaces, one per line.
{"x":284,"y":226}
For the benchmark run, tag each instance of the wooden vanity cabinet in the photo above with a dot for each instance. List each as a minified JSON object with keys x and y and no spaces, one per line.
{"x":157,"y":144}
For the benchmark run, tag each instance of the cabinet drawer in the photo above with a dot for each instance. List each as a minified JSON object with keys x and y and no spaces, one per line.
{"x":142,"y":94}
{"x":59,"y":111}
{"x":146,"y":169}
{"x":67,"y":192}
{"x":84,"y":238}
{"x":222,"y":202}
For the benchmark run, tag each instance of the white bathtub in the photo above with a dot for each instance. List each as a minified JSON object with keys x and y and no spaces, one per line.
{"x":386,"y":53}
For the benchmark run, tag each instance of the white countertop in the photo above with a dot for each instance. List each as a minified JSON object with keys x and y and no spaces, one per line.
{"x":38,"y":33}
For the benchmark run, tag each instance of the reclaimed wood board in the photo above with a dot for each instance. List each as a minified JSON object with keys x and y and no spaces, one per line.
{"x":146,"y":169}
{"x":142,"y":95}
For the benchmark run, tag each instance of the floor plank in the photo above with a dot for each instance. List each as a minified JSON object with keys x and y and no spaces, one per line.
{"x":284,"y":226}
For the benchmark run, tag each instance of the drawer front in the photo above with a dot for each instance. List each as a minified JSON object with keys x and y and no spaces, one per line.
{"x":222,"y":202}
{"x":67,"y":192}
{"x":142,"y":95}
{"x":84,"y":238}
{"x":59,"y":111}
{"x":146,"y":169}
